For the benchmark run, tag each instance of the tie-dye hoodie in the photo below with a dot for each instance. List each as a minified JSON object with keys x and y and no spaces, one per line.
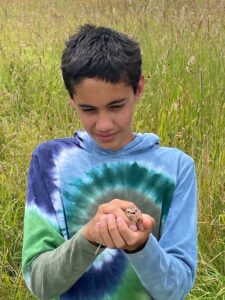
{"x":68,"y":179}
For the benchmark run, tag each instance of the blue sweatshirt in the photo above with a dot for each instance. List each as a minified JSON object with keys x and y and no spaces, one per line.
{"x":68,"y":179}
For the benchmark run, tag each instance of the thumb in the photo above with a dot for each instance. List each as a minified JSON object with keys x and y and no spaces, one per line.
{"x":148,"y":222}
{"x":133,"y":227}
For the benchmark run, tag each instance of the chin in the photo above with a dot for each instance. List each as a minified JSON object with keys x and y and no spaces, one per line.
{"x":108,"y":147}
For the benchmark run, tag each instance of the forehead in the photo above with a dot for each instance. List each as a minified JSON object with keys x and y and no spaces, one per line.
{"x":93,"y":91}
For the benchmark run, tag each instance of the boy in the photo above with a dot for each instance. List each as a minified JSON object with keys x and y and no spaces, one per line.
{"x":79,"y":240}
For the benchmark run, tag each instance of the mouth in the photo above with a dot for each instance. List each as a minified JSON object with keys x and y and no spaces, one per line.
{"x":106,"y":138}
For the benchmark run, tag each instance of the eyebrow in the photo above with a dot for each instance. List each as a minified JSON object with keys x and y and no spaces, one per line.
{"x":114,"y":102}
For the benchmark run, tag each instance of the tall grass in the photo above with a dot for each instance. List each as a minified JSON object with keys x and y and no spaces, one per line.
{"x":184,"y":103}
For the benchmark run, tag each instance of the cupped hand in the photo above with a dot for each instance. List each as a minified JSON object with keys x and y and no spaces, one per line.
{"x":115,"y":207}
{"x":112,"y":228}
{"x":114,"y":232}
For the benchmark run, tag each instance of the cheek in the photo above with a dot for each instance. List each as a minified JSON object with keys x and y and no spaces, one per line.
{"x":126,"y":117}
{"x":86,"y":121}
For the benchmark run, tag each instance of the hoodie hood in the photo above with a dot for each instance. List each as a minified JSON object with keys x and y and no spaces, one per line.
{"x":140,"y":143}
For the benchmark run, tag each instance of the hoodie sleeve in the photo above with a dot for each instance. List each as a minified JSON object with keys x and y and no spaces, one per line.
{"x":50,"y":264}
{"x":167,"y":268}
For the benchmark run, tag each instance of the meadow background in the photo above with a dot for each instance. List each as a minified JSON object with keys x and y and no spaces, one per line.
{"x":183,"y":47}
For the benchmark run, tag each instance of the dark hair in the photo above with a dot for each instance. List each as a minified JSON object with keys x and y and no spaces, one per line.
{"x":102,"y":53}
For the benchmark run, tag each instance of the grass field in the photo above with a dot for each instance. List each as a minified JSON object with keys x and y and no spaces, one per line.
{"x":183,"y":46}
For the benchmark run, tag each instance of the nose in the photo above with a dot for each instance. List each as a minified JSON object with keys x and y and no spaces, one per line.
{"x":104,"y":123}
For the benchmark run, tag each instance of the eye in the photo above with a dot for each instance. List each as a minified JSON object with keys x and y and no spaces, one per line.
{"x":117,"y":107}
{"x":88,"y":109}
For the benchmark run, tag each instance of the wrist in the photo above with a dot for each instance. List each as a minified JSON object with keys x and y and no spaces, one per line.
{"x":86,"y":235}
{"x":135,"y":250}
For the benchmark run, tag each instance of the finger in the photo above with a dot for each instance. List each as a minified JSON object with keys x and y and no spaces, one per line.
{"x":141,"y":227}
{"x":133,"y":227}
{"x":118,"y":208}
{"x":107,"y":240}
{"x":99,"y":235}
{"x":126,"y":233}
{"x":117,"y":212}
{"x":148,"y":223}
{"x":133,"y":240}
{"x":123,"y":204}
{"x":114,"y":232}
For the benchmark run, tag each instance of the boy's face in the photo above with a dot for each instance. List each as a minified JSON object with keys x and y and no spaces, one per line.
{"x":106,"y":110}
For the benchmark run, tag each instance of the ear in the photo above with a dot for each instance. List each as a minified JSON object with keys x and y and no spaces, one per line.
{"x":72,"y":103}
{"x":140,"y":87}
